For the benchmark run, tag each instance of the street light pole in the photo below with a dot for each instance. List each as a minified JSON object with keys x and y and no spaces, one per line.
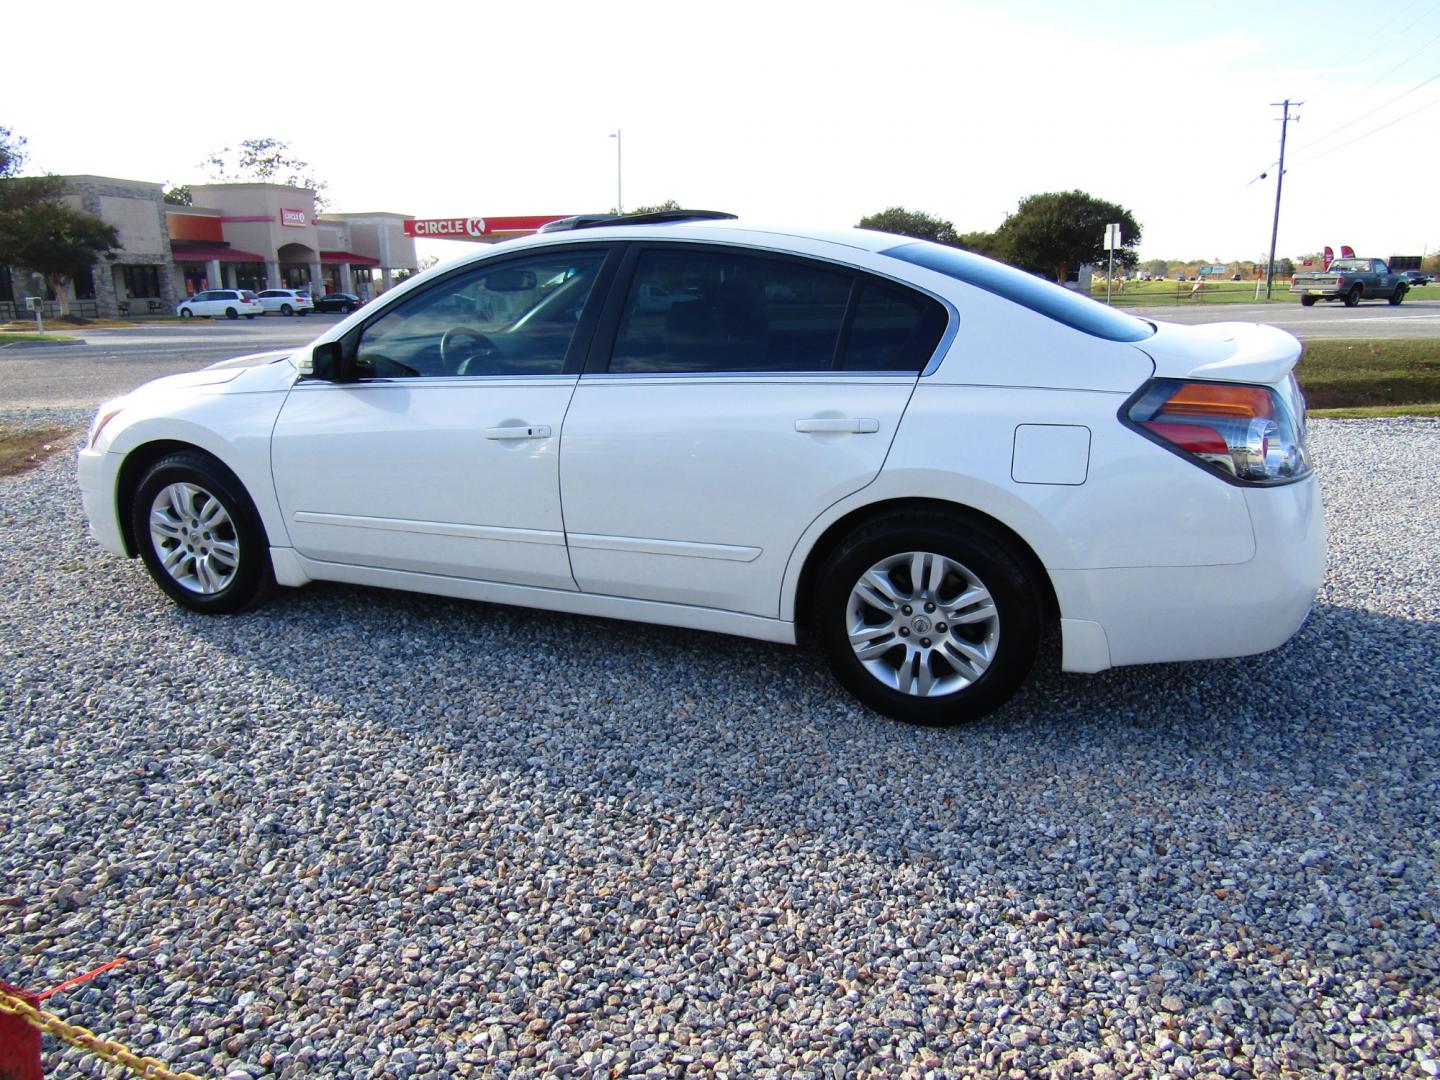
{"x":619,"y":172}
{"x":1279,"y":184}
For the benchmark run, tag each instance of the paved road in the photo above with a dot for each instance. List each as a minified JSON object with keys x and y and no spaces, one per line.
{"x":114,"y":361}
{"x":1412,"y":319}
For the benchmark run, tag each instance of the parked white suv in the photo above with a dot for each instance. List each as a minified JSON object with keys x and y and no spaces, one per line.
{"x":231,"y":303}
{"x":926,"y":458}
{"x":287,"y":301}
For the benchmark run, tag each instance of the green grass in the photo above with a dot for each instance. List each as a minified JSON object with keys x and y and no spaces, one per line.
{"x":7,"y":336}
{"x":1156,"y":293}
{"x":1371,"y":374}
{"x":1376,"y":410}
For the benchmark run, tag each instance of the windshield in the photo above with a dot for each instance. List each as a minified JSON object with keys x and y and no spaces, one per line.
{"x":1040,"y":296}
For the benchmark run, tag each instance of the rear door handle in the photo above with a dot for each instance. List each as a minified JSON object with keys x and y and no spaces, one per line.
{"x":859,"y":425}
{"x":519,"y":431}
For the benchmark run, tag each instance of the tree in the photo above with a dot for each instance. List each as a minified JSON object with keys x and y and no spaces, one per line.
{"x":1156,"y":268}
{"x":914,"y":223}
{"x":981,"y":243}
{"x":1054,"y":232}
{"x":265,"y":161}
{"x":179,"y":195}
{"x":40,"y":232}
{"x":12,"y":152}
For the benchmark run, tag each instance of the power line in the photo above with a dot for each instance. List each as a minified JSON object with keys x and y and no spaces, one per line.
{"x":1372,"y":131}
{"x":1372,"y":112}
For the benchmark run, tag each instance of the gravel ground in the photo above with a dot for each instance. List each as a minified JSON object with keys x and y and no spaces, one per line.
{"x":373,"y":835}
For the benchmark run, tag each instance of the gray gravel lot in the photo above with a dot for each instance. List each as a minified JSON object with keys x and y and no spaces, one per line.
{"x":367,"y":834}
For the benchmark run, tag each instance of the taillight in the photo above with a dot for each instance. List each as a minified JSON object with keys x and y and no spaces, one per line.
{"x":1245,"y":433}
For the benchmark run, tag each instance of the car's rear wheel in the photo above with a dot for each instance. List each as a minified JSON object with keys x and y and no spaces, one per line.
{"x":1397,"y":297}
{"x":928,"y":618}
{"x":199,"y":535}
{"x":1308,"y":301}
{"x":286,"y":309}
{"x":1353,"y":296}
{"x":231,"y":313}
{"x":186,"y":313}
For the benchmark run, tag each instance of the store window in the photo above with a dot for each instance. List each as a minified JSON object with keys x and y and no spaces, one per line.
{"x":250,"y":276}
{"x":141,"y":281}
{"x":85,"y":285}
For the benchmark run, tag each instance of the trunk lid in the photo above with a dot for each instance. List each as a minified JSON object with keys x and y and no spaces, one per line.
{"x":1223,"y":352}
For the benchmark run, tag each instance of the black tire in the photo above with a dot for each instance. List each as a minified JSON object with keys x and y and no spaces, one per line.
{"x":186,"y":313}
{"x":231,"y":313}
{"x":1308,"y":301}
{"x":236,"y":580}
{"x":1397,"y":297}
{"x":286,"y":309}
{"x":1353,"y":296}
{"x":965,"y":544}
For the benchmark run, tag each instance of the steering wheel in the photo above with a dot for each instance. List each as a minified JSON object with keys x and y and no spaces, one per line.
{"x":457,"y":358}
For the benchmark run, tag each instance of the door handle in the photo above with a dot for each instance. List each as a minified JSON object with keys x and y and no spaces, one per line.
{"x":519,"y":431}
{"x":857,"y":425}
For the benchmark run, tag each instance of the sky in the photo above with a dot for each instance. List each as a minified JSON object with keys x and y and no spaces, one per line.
{"x":785,"y":113}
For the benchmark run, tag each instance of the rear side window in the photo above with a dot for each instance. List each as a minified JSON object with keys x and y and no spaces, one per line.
{"x":894,"y":329}
{"x":694,"y":311}
{"x":691,"y":311}
{"x":1040,"y":296}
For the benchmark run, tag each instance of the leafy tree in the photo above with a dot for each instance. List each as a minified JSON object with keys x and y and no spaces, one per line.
{"x":1054,"y":232}
{"x":1156,"y":268}
{"x":179,"y":195}
{"x":40,"y":232}
{"x":981,"y":243}
{"x":914,"y":223}
{"x":265,"y":161}
{"x":12,"y":152}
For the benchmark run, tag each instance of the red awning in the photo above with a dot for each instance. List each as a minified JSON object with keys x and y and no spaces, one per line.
{"x":205,"y":254}
{"x":335,"y":258}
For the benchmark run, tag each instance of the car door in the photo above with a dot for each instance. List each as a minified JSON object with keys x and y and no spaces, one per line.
{"x":442,"y":456}
{"x":709,"y":431}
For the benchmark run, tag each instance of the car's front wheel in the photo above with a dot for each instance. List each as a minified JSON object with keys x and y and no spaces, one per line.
{"x":199,"y":535}
{"x":929,"y":618}
{"x":186,"y":313}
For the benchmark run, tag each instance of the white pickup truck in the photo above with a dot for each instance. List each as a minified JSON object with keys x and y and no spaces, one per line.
{"x":1351,"y":280}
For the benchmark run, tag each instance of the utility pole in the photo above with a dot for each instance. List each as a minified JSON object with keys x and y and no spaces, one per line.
{"x":619,"y":173}
{"x":1279,"y":185}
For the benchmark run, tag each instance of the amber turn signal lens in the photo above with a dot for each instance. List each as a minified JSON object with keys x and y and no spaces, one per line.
{"x":1219,"y":399}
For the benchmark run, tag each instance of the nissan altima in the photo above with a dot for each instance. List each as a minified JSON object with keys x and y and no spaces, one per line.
{"x":917,"y":458}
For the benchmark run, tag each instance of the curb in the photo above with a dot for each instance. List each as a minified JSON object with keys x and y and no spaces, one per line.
{"x":39,"y":344}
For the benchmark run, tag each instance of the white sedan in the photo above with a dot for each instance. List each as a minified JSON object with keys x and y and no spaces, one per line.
{"x":920,"y":457}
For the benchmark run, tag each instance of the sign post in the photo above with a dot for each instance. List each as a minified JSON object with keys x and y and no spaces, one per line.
{"x":1112,"y":241}
{"x":37,"y":305}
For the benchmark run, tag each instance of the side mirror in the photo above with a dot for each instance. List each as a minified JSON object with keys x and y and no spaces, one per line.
{"x":326,"y":363}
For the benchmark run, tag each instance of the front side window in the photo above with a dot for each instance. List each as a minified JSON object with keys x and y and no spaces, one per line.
{"x":715,"y":311}
{"x":515,"y":317}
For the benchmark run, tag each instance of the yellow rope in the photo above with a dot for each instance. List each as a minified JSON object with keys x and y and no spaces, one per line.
{"x":75,"y":1035}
